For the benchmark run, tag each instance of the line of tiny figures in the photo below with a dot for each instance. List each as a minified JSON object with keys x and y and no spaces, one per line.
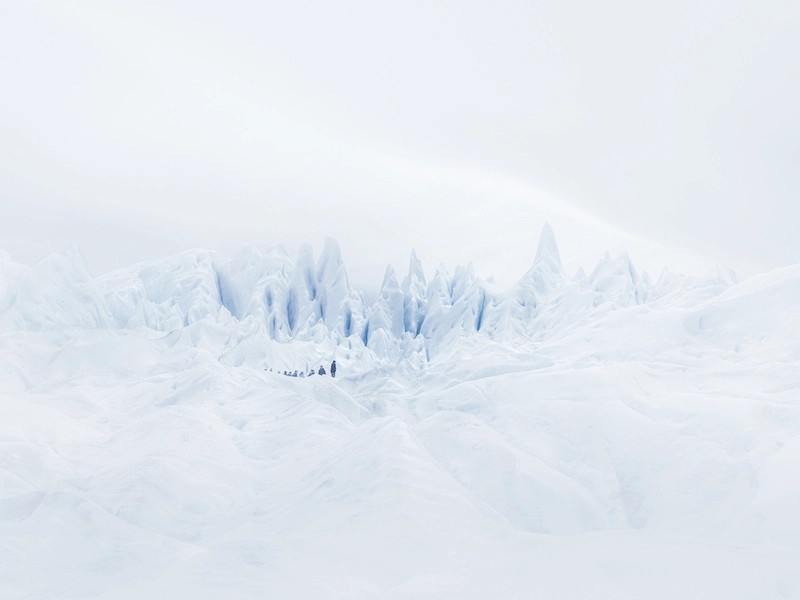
{"x":320,"y":371}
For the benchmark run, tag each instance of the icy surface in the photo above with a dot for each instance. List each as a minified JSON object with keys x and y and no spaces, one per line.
{"x":593,"y":436}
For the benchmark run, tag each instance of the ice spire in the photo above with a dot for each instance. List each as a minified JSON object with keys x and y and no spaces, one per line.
{"x":546,"y":275}
{"x":330,"y":266}
{"x":389,"y":279}
{"x":340,"y":306}
{"x":414,"y":291}
{"x":301,"y":305}
{"x":462,"y":279}
{"x":415,"y":273}
{"x":547,"y":252}
{"x":387,"y":312}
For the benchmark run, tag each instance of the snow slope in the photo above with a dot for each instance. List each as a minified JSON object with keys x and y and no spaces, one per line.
{"x":587,"y":436}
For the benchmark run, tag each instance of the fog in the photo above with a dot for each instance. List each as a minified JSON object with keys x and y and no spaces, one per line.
{"x":458,"y":129}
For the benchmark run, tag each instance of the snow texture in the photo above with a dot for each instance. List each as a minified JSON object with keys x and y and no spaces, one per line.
{"x":593,"y":436}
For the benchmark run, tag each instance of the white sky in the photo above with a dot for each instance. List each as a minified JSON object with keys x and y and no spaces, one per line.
{"x":139,"y":129}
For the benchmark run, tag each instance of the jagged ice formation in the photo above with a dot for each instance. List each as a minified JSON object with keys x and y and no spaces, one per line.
{"x":270,"y":296}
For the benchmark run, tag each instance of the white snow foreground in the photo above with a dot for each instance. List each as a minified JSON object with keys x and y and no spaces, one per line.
{"x":595,"y":436}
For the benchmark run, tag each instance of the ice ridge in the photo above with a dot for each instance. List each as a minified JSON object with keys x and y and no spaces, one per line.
{"x":270,"y":296}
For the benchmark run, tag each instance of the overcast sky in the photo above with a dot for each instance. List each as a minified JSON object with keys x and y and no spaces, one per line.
{"x":139,"y":129}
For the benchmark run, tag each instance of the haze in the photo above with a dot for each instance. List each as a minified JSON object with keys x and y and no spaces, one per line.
{"x":138,"y":130}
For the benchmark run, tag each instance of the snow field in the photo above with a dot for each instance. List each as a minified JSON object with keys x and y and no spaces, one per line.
{"x":594,"y":437}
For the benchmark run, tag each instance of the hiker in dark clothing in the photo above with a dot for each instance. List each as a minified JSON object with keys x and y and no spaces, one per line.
{"x":313,"y":372}
{"x":333,"y":369}
{"x":321,"y":370}
{"x":294,"y":374}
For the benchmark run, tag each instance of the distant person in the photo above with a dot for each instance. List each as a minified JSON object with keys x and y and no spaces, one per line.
{"x":321,"y":370}
{"x":333,"y":369}
{"x":294,"y":374}
{"x":313,"y":372}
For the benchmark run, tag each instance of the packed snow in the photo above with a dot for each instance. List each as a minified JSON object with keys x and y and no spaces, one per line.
{"x":600,"y":435}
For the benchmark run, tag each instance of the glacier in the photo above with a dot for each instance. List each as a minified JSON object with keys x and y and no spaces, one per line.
{"x":600,"y":435}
